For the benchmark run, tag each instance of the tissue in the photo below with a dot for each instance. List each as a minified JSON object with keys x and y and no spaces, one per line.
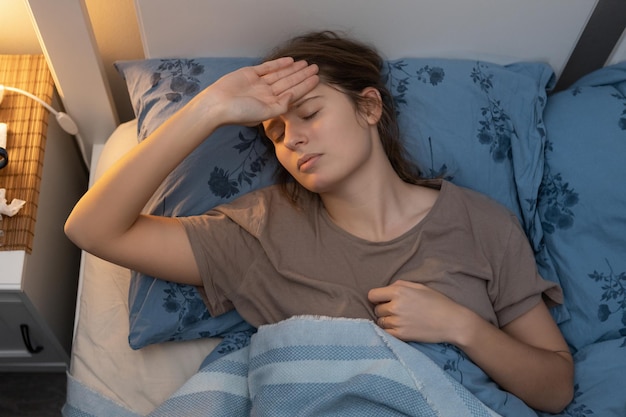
{"x":9,"y":209}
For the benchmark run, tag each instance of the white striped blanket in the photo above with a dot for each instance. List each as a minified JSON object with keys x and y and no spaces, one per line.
{"x":309,"y":366}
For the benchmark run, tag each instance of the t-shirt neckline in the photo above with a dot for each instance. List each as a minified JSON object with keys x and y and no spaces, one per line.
{"x":443,"y":185}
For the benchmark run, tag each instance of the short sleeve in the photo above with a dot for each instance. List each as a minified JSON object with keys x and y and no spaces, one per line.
{"x":518,"y":287}
{"x":223,"y":251}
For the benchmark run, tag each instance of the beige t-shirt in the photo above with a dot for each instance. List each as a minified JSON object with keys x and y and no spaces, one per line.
{"x":270,"y":260}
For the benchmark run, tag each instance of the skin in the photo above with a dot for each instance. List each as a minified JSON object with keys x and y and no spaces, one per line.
{"x":361,"y":193}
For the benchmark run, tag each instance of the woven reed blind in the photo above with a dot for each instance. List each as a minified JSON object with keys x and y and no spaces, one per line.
{"x":27,"y":125}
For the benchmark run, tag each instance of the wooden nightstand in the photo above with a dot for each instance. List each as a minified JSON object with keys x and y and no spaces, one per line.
{"x":38,"y":264}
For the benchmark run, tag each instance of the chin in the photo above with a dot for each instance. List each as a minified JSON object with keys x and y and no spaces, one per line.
{"x":316,"y":186}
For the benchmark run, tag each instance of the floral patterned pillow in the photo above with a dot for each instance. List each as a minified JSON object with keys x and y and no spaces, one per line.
{"x":233,"y":161}
{"x":582,"y":203}
{"x":475,"y":123}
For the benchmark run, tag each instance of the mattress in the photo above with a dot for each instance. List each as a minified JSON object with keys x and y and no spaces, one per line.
{"x":101,"y":356}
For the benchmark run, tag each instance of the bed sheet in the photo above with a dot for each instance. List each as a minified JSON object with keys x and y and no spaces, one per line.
{"x":101,"y":356}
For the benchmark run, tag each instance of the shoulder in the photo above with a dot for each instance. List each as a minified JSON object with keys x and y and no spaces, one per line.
{"x":475,"y":203}
{"x":255,"y":210}
{"x":267,"y":195}
{"x":486,"y":220}
{"x":268,"y":198}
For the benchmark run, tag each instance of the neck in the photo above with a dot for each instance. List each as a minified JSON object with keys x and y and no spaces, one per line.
{"x":378,"y":210}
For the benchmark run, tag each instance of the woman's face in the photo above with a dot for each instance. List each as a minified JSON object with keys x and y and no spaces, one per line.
{"x":323,"y":141}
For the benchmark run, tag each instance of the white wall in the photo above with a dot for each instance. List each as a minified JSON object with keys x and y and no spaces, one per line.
{"x":501,"y":31}
{"x":115,"y":28}
{"x":17,"y":35}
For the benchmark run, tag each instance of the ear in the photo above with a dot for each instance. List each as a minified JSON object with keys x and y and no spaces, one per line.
{"x":373,"y":105}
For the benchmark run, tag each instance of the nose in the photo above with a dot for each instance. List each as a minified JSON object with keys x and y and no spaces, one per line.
{"x":294,"y":137}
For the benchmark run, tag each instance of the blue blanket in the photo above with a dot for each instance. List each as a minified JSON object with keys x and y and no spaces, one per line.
{"x":309,"y":366}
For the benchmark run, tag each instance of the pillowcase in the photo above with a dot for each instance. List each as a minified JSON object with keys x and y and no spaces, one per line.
{"x":470,"y":122}
{"x":233,"y":161}
{"x":476,"y":124}
{"x":582,"y":203}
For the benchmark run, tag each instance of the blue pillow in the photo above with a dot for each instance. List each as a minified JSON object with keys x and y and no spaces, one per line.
{"x":470,"y":122}
{"x":231,"y":162}
{"x":476,"y":124}
{"x":582,"y":203}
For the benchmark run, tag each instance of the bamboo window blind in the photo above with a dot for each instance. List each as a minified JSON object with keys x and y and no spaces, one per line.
{"x":27,"y":125}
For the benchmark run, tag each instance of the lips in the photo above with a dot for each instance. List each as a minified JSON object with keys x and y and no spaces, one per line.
{"x":306,"y":162}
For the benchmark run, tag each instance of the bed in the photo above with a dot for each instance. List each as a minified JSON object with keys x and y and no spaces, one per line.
{"x":482,"y":110}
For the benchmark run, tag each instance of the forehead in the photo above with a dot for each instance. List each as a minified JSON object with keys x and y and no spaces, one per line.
{"x":320,"y":91}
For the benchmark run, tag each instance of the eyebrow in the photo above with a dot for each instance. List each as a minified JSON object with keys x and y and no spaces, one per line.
{"x":300,"y":102}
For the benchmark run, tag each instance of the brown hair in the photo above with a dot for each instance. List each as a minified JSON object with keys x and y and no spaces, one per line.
{"x":351,"y":66}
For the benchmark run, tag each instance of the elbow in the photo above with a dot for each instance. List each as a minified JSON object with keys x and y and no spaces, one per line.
{"x":78,"y":233}
{"x":560,"y":400}
{"x":73,"y":232}
{"x":562,"y":393}
{"x":567,"y":395}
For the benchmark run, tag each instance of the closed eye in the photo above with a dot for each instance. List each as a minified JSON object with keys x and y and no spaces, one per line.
{"x":310,"y":116}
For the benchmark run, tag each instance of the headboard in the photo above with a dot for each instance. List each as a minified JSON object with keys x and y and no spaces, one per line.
{"x":501,"y":31}
{"x":496,"y":30}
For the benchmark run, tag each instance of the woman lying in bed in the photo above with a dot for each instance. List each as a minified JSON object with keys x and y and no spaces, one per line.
{"x":429,"y":261}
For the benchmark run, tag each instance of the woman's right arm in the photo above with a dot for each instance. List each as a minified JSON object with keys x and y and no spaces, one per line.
{"x":107,"y":221}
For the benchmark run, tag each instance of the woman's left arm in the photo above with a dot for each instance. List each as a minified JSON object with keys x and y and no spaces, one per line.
{"x":528,"y":357}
